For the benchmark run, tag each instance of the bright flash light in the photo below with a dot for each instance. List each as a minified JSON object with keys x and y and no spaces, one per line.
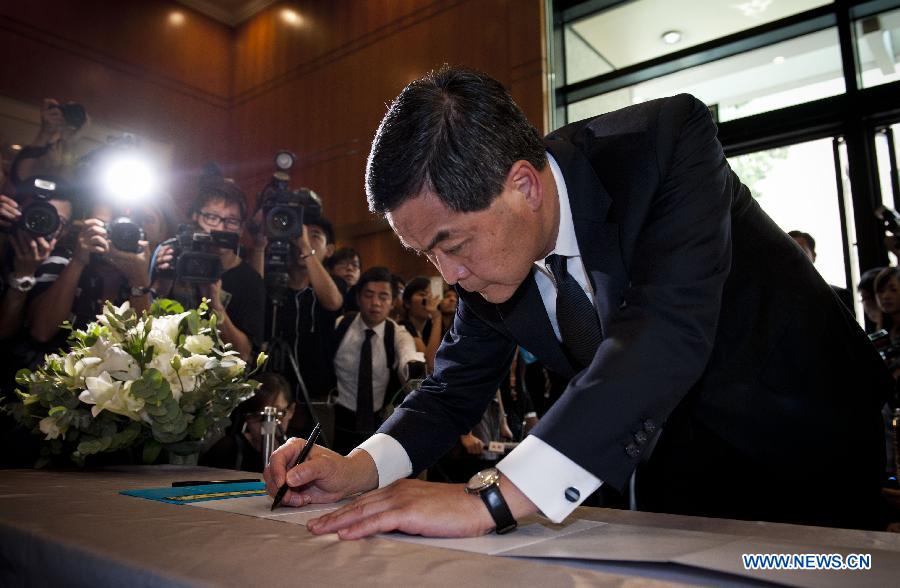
{"x":128,"y":179}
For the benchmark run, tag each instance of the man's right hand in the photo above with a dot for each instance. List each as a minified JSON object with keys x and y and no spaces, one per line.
{"x":9,"y":212}
{"x":324,"y":477}
{"x":91,"y":239}
{"x":52,"y":122}
{"x":165,"y":257}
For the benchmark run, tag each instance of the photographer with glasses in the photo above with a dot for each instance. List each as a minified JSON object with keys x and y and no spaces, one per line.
{"x":238,"y":296}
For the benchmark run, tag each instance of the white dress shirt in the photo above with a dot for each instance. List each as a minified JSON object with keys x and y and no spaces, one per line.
{"x":346,"y":362}
{"x":542,"y":473}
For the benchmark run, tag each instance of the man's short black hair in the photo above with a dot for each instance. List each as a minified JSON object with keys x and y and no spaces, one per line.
{"x":375,"y":274}
{"x":805,"y":236}
{"x":219,"y":188}
{"x":341,"y":255}
{"x":457,"y":133}
{"x":324,"y":224}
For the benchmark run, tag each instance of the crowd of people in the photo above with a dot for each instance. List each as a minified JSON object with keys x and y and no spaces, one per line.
{"x":344,"y":341}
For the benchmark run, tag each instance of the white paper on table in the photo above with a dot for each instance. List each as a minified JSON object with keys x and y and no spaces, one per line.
{"x":261,"y":507}
{"x":494,"y":544}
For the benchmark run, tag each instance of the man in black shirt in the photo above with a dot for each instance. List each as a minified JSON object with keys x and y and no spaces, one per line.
{"x":306,"y":314}
{"x":238,"y":298}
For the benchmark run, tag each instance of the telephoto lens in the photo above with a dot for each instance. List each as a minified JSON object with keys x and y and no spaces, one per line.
{"x":125,"y":235}
{"x":40,"y":218}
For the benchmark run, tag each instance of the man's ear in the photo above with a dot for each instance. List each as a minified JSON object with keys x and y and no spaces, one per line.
{"x":329,"y":250}
{"x":525,"y":180}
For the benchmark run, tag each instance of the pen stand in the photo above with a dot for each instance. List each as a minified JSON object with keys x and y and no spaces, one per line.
{"x":269,"y":416}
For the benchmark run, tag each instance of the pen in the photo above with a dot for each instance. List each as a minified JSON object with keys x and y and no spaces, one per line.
{"x":313,"y":437}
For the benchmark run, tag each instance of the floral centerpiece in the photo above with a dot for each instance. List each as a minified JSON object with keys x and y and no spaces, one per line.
{"x":162,"y":379}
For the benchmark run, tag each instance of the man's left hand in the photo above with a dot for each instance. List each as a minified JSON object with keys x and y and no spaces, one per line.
{"x":410,"y":506}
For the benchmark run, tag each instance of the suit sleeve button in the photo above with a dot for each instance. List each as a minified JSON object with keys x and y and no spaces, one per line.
{"x":632,"y":450}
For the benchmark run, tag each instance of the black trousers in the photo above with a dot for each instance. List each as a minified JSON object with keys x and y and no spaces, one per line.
{"x":346,"y":435}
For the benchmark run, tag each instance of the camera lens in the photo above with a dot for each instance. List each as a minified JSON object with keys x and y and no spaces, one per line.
{"x":281,"y":221}
{"x":40,"y":218}
{"x":125,"y":234}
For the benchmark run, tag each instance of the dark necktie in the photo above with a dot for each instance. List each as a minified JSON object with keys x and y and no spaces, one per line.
{"x":575,"y":315}
{"x":365,"y":412}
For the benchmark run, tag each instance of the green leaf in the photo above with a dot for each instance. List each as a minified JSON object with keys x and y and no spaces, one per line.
{"x":57,"y":410}
{"x":152,"y":387}
{"x":151,"y":450}
{"x":164,"y":306}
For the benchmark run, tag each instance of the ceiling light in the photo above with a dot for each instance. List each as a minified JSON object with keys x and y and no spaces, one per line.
{"x":671,"y":37}
{"x":778,"y":60}
{"x":176,"y":18}
{"x":753,"y":7}
{"x":292,"y":17}
{"x":15,"y":147}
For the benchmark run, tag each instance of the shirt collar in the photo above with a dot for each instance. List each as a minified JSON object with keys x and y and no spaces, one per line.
{"x":566,"y":242}
{"x":361,"y":326}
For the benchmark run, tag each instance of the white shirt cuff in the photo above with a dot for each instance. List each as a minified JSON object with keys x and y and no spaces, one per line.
{"x":547,"y":478}
{"x":391,"y":460}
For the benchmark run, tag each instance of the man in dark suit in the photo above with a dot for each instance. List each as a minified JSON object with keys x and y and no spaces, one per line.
{"x":712,"y":358}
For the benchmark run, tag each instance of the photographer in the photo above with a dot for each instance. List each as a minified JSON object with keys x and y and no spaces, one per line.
{"x":30,"y":246}
{"x":29,"y":252}
{"x":307,"y":310}
{"x":75,"y":284}
{"x":345,"y":264}
{"x":49,"y":150}
{"x":238,"y":297}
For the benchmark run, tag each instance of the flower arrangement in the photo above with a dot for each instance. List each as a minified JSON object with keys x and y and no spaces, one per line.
{"x":163,"y":379}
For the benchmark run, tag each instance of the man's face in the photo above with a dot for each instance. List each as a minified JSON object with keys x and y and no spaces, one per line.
{"x":348,"y":270}
{"x":375,"y":302}
{"x":490,"y":251}
{"x":219,"y":215}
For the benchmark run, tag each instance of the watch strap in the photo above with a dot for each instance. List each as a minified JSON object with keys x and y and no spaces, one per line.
{"x":23,"y":284}
{"x":499,"y":510}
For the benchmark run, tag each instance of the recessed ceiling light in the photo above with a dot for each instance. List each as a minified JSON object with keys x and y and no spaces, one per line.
{"x":176,"y":18}
{"x":292,"y":17}
{"x":671,"y":37}
{"x":778,"y":60}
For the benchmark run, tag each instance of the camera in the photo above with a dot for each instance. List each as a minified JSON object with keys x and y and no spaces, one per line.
{"x":196,"y":254}
{"x":125,"y":234}
{"x":887,"y":349}
{"x":74,"y":114}
{"x":39,"y":217}
{"x":283,"y":214}
{"x":890,"y":220}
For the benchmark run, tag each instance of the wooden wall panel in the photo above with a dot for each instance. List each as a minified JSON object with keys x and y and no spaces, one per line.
{"x":129,"y":67}
{"x":238,"y":95}
{"x":323,"y":97}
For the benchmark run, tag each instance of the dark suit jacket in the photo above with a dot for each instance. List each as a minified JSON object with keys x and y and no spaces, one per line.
{"x":716,"y":330}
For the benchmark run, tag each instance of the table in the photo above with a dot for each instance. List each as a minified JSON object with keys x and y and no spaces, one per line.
{"x":73,"y":528}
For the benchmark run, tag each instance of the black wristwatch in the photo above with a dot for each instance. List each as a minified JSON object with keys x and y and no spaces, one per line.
{"x":486,"y":484}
